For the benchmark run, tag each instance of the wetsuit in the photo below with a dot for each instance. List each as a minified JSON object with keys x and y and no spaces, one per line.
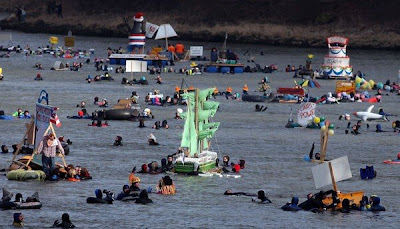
{"x":292,"y":206}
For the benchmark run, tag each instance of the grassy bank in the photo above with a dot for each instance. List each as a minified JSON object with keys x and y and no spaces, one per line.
{"x":245,"y":21}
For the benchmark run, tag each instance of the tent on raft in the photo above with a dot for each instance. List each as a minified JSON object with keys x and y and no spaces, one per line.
{"x":58,"y":65}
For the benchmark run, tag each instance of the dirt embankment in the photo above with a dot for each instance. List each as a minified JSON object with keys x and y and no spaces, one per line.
{"x":306,"y":23}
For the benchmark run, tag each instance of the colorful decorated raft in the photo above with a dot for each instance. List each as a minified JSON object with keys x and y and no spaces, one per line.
{"x":337,"y":63}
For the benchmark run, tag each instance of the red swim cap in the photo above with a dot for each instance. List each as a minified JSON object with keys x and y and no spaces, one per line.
{"x":80,"y":113}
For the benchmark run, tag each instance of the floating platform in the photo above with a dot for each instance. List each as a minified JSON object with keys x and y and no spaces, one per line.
{"x":152,"y":60}
{"x":224,"y":68}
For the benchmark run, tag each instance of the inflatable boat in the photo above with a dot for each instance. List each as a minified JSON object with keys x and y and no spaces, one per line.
{"x":258,"y":98}
{"x":23,"y":175}
{"x":118,"y":114}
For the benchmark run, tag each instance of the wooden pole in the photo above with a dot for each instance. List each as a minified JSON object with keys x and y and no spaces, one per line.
{"x":35,"y":150}
{"x":196,"y":108}
{"x":332,"y":177}
{"x":54,"y":132}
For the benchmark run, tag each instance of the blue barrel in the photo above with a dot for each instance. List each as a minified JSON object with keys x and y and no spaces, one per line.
{"x":150,"y":62}
{"x":225,"y":69}
{"x":238,"y":70}
{"x":212,"y":69}
{"x":113,"y":61}
{"x":164,"y":63}
{"x":122,"y":61}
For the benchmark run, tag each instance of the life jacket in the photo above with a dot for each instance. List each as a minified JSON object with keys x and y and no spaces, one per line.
{"x":171,"y":48}
{"x":245,"y":88}
{"x":229,"y":89}
{"x":179,"y":48}
{"x":167,"y":190}
{"x":215,"y":91}
{"x":177,"y":89}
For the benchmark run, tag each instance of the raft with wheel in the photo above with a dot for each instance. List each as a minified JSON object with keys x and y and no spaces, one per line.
{"x":118,"y":114}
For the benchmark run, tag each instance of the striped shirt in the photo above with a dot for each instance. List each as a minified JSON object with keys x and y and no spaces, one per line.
{"x":49,"y":151}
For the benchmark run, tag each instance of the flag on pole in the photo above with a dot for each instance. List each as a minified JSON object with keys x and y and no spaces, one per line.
{"x":54,"y":118}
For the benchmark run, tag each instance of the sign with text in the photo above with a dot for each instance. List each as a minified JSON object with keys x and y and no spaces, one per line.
{"x":43,"y":116}
{"x":305,"y":113}
{"x":196,"y":51}
{"x":345,"y":86}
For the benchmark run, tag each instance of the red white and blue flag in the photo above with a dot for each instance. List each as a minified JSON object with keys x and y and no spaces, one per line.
{"x":54,"y":118}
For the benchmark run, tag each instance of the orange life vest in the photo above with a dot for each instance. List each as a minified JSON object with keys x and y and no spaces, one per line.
{"x":171,"y":48}
{"x":179,"y":48}
{"x":229,"y":89}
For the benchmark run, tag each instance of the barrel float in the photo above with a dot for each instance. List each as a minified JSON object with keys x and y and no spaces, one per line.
{"x":122,"y":61}
{"x":113,"y":61}
{"x":238,"y":70}
{"x":225,"y":69}
{"x":212,"y":69}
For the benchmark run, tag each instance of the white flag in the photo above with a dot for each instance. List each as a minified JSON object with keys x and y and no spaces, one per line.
{"x":151,"y":29}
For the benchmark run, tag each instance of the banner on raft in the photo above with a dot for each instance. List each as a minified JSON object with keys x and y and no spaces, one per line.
{"x":136,"y":66}
{"x":305,"y":113}
{"x":43,"y":116}
{"x":151,"y":29}
{"x":341,"y":171}
{"x":290,"y":91}
{"x":345,"y":86}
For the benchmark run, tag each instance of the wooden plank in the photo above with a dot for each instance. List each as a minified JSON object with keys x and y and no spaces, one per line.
{"x":332,"y":177}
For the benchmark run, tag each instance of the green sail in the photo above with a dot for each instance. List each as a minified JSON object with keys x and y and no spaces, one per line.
{"x":189,"y":135}
{"x":205,"y":94}
{"x":191,"y":138}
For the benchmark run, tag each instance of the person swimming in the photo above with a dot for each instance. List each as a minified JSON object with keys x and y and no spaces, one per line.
{"x":118,"y":141}
{"x":18,"y":219}
{"x":143,"y":198}
{"x":292,"y":206}
{"x":262,"y":197}
{"x":260,"y":108}
{"x":65,"y":222}
{"x":376,"y":205}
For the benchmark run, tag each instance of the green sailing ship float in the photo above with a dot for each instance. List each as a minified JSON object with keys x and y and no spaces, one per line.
{"x":198,"y":130}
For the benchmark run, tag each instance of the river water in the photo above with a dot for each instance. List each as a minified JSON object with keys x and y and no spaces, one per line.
{"x":273,"y":154}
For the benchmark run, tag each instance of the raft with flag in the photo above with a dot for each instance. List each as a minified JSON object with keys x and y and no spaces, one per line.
{"x":30,"y":167}
{"x":329,"y":172}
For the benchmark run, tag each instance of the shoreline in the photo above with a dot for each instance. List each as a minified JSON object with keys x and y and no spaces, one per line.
{"x":267,"y":34}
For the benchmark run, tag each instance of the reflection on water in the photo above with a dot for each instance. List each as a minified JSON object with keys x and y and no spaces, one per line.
{"x":273,"y":154}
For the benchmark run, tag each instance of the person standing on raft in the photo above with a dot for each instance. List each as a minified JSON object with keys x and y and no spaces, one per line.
{"x":47,"y":147}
